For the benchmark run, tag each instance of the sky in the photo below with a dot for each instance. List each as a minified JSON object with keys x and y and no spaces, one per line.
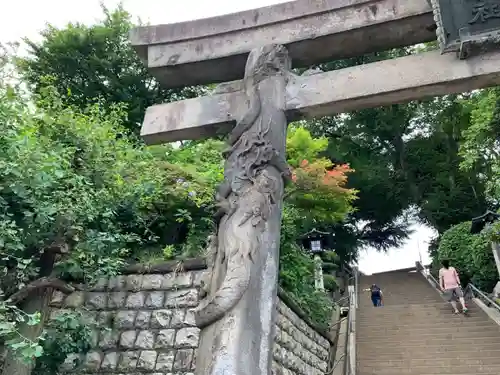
{"x":25,"y":18}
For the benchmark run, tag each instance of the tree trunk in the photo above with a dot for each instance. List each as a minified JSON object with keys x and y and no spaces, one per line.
{"x":38,"y":302}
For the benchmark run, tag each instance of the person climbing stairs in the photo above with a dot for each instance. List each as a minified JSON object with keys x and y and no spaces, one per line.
{"x":416,"y":332}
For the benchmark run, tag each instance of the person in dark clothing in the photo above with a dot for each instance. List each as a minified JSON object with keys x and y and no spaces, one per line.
{"x":376,"y":295}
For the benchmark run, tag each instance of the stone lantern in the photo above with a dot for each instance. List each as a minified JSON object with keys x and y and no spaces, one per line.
{"x":315,"y":243}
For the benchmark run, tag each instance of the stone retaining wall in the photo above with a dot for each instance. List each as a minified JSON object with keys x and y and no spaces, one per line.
{"x":148,"y":328}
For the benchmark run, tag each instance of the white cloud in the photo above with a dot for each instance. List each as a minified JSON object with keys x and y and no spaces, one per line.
{"x":25,"y":18}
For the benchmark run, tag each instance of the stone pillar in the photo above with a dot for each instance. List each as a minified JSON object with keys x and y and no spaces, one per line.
{"x":319,"y":282}
{"x":238,"y":314}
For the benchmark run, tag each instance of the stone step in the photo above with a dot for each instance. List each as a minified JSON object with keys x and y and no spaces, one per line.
{"x":468,"y":370}
{"x":402,"y":341}
{"x":437,"y":330}
{"x":489,"y":350}
{"x":433,"y":362}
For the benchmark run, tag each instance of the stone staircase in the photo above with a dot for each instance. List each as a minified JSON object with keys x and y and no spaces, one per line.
{"x":416,"y":332}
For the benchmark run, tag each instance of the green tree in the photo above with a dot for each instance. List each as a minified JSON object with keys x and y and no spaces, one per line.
{"x":471,"y":255}
{"x":96,"y":63}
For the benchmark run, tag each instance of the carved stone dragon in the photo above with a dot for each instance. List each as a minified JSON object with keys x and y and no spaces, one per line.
{"x":247,"y":195}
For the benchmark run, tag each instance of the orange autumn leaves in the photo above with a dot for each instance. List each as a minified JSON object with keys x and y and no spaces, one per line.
{"x":319,"y":187}
{"x":322,"y":172}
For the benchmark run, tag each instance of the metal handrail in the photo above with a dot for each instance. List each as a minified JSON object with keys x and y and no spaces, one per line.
{"x":473,"y":289}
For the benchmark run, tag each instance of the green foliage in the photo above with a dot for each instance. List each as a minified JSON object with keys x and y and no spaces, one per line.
{"x":297,"y":278}
{"x":301,"y":145}
{"x":97,"y":63}
{"x":11,"y":317}
{"x":470,"y":254}
{"x":480,"y":148}
{"x":68,"y":333}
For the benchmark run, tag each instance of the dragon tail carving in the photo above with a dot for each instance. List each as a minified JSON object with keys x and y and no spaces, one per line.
{"x":233,"y":287}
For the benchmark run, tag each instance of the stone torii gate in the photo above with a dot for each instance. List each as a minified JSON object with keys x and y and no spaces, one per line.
{"x":261,"y":46}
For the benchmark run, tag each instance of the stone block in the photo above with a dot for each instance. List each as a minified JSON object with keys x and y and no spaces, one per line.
{"x":110,"y":361}
{"x":105,"y":318}
{"x":165,"y":361}
{"x":128,"y":360}
{"x":147,"y":360}
{"x":134,"y":283}
{"x":165,"y":339}
{"x":108,"y":339}
{"x":199,"y":276}
{"x":161,"y":318}
{"x":117,"y":283}
{"x":116,"y":300}
{"x":177,"y":281}
{"x":155,"y":299}
{"x":182,"y":298}
{"x":125,"y":319}
{"x":183,"y":360}
{"x":189,"y":318}
{"x":97,"y":300}
{"x":127,"y":339}
{"x":177,"y":320}
{"x":135,"y":300}
{"x":187,"y":338}
{"x":100,"y":285}
{"x":93,"y":360}
{"x":145,"y":340}
{"x":142,"y":320}
{"x":152,"y":282}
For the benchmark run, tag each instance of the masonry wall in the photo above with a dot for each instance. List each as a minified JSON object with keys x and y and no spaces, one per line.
{"x":148,"y":328}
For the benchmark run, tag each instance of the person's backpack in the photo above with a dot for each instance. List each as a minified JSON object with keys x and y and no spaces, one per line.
{"x":376,"y":291}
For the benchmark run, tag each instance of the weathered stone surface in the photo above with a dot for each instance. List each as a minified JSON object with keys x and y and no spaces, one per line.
{"x":369,"y":85}
{"x":187,"y":338}
{"x":105,"y":318}
{"x":215,"y":49}
{"x":109,"y":339}
{"x":165,"y":361}
{"x":134,"y":282}
{"x":143,"y":319}
{"x":182,"y":298}
{"x":177,"y":320}
{"x":177,"y":281}
{"x":93,"y":360}
{"x":165,"y":339}
{"x":117,"y":300}
{"x":152,"y":282}
{"x":147,"y":360}
{"x":100,"y":285}
{"x":97,"y":301}
{"x":183,"y":360}
{"x":161,"y":318}
{"x":155,"y":299}
{"x":135,"y":300}
{"x":117,"y":283}
{"x":298,"y":347}
{"x":145,"y":340}
{"x":128,"y":360}
{"x":127,"y":339}
{"x":189,"y":318}
{"x":125,"y":319}
{"x":110,"y":361}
